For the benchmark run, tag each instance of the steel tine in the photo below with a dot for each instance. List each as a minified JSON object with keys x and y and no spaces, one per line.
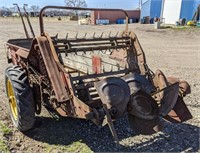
{"x":79,"y":73}
{"x":56,"y":36}
{"x":103,"y":69}
{"x":109,"y":34}
{"x":76,"y":35}
{"x":101,"y":35}
{"x":66,"y":36}
{"x":118,"y":66}
{"x":94,"y":35}
{"x":84,"y":51}
{"x":117,"y":34}
{"x":116,"y":48}
{"x":87,"y":71}
{"x":111,"y":51}
{"x":92,"y":50}
{"x":75,"y":52}
{"x":65,"y":53}
{"x":85,"y":35}
{"x":111,"y":68}
{"x":105,"y":51}
{"x":125,"y":66}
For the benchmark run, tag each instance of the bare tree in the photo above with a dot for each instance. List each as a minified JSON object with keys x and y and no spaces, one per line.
{"x":35,"y":8}
{"x":76,"y":3}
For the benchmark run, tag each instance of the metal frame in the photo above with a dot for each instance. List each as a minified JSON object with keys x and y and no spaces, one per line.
{"x":42,"y":32}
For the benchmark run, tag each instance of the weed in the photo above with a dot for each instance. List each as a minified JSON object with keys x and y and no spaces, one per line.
{"x":4,"y":129}
{"x":75,"y":147}
{"x":3,"y":146}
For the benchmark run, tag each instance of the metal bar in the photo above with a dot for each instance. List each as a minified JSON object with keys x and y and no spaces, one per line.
{"x":29,"y":23}
{"x":91,"y":39}
{"x":110,"y":124}
{"x":90,"y":76}
{"x":86,"y":44}
{"x":91,"y":48}
{"x":42,"y":32}
{"x":20,"y":14}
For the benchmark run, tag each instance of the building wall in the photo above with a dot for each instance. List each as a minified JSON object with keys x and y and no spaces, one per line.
{"x":188,"y":8}
{"x":112,"y":16}
{"x":151,"y":8}
{"x":171,"y":11}
{"x":155,"y":10}
{"x":145,"y":9}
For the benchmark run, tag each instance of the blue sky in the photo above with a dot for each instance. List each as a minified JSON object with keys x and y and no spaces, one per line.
{"x":122,"y":4}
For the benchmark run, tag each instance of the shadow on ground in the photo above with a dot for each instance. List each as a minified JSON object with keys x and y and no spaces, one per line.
{"x":174,"y":138}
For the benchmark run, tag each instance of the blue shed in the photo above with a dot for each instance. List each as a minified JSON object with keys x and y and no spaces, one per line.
{"x":171,"y":10}
{"x":151,"y":8}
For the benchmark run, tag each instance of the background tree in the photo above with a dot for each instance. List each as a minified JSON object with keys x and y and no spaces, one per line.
{"x":35,"y":9}
{"x":76,"y":3}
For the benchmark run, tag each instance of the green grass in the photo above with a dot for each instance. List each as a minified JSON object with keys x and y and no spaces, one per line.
{"x":75,"y":147}
{"x":3,"y":146}
{"x":4,"y":129}
{"x":181,"y":27}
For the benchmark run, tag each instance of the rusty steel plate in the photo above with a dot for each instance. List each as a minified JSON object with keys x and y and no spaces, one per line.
{"x":115,"y":93}
{"x":170,"y":96}
{"x":137,"y":81}
{"x":179,"y":113}
{"x":143,"y":105}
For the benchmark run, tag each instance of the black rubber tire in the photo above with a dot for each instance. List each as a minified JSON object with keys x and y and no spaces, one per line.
{"x":24,"y":98}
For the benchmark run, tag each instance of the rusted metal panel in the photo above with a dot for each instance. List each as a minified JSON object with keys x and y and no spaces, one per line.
{"x":115,"y":93}
{"x":179,"y":113}
{"x":23,"y":53}
{"x":52,"y":69}
{"x":96,"y":64}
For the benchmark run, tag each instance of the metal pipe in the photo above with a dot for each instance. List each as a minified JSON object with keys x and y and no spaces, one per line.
{"x":20,"y":14}
{"x":42,"y":32}
{"x":29,"y":23}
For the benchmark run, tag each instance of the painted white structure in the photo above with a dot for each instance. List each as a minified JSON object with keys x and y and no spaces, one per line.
{"x":171,"y":11}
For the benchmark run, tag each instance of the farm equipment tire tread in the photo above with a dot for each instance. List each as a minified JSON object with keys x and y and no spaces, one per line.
{"x":24,"y":98}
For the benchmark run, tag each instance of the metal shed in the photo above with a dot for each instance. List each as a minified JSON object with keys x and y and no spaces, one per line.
{"x":170,"y":10}
{"x":151,"y":8}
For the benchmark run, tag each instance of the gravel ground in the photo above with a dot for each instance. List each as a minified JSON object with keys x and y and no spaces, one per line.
{"x":175,"y":51}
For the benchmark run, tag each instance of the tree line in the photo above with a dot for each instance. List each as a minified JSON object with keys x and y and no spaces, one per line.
{"x":35,"y":9}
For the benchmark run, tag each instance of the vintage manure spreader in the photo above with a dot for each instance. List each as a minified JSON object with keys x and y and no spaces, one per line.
{"x":94,"y":78}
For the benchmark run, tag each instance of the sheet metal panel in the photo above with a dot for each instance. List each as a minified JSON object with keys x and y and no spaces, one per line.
{"x":171,"y":11}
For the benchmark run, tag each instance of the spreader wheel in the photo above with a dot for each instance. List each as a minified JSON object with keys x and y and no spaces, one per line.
{"x":20,"y":96}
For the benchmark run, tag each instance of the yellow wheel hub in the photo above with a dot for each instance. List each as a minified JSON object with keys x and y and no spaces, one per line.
{"x":12,"y":100}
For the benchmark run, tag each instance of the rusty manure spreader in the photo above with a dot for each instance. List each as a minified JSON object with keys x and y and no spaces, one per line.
{"x":94,"y":78}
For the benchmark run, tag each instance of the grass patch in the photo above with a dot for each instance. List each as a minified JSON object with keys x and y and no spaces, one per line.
{"x":165,"y":27}
{"x":75,"y":147}
{"x":3,"y":146}
{"x":181,"y":27}
{"x":4,"y":129}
